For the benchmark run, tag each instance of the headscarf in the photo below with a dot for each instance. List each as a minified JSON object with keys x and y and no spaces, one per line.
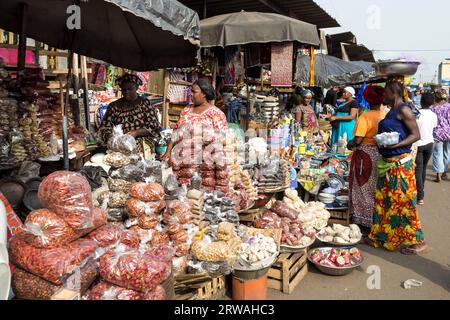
{"x":129,"y":78}
{"x":307,"y":92}
{"x":374,"y":95}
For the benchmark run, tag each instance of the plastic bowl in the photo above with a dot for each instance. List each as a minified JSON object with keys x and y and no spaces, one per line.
{"x":334,"y":271}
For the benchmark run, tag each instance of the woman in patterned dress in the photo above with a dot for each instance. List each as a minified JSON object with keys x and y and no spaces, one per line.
{"x":201,"y":113}
{"x":305,"y":114}
{"x":396,"y":224}
{"x":363,"y":167}
{"x":137,"y":117}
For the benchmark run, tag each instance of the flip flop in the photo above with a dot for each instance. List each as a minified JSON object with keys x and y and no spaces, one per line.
{"x":420,"y":203}
{"x":414,"y":251}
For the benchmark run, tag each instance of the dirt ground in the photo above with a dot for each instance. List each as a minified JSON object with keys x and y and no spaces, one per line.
{"x":432,"y":268}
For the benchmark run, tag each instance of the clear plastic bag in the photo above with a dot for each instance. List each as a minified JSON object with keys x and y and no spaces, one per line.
{"x":111,"y":235}
{"x":107,"y":291}
{"x":118,"y":199}
{"x":119,"y":185}
{"x":148,"y":221}
{"x":152,"y":169}
{"x":137,"y":208}
{"x":147,"y":192}
{"x":217,"y":269}
{"x":116,"y":160}
{"x":68,"y":194}
{"x":133,"y":269}
{"x":45,"y":229}
{"x":121,"y":142}
{"x":51,"y":264}
{"x":196,"y":182}
{"x":28,"y":170}
{"x":27,"y":286}
{"x":129,"y":172}
{"x":171,"y":185}
{"x":117,"y":214}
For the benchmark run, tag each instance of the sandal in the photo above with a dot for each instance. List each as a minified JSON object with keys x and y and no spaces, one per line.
{"x":414,"y":249}
{"x":420,"y":202}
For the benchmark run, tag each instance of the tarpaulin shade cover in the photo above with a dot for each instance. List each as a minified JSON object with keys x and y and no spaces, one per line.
{"x":331,"y":71}
{"x":139,"y":35}
{"x":255,"y":27}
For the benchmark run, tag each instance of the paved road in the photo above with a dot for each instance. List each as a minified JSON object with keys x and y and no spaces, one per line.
{"x":432,"y":268}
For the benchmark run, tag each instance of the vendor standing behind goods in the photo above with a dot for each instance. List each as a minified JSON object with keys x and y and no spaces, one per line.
{"x":363,"y":173}
{"x":137,"y":117}
{"x":305,"y":114}
{"x":396,"y":224}
{"x":202,"y":112}
{"x":344,"y":120}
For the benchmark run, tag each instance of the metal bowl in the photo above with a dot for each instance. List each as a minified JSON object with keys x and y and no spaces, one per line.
{"x":14,"y":190}
{"x":334,"y":271}
{"x":31,"y":200}
{"x":396,"y":68}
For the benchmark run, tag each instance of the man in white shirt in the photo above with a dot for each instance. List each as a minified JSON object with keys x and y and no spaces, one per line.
{"x":426,"y":122}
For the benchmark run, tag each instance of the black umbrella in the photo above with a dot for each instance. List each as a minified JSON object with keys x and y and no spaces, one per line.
{"x":141,"y":35}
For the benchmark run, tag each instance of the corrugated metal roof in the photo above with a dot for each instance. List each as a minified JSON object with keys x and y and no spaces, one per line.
{"x":305,"y":10}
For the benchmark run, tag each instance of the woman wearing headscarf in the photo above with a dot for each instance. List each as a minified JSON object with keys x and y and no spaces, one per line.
{"x":305,"y":114}
{"x":441,"y":150}
{"x":202,"y":112}
{"x":345,"y":118}
{"x":396,"y":224}
{"x":363,"y":173}
{"x":137,"y":117}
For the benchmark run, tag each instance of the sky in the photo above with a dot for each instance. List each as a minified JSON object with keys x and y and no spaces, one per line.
{"x":412,"y":29}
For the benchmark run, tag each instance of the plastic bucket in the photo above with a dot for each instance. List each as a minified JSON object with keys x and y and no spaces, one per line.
{"x":255,"y":289}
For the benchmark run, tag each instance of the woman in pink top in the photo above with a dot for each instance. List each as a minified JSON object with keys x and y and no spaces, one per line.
{"x":201,"y":113}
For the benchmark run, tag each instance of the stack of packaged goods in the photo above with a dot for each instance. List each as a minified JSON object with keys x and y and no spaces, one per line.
{"x":51,"y":254}
{"x":123,"y":160}
{"x":41,"y":111}
{"x":200,"y":153}
{"x":215,"y":250}
{"x":133,"y":273}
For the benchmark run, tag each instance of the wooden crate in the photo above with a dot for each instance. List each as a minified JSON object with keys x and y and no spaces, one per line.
{"x":339,"y":217}
{"x":289,"y":270}
{"x":199,"y":287}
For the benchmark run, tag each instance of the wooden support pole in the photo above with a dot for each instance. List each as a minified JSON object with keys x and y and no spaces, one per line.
{"x":85,"y":87}
{"x":23,"y":37}
{"x":311,"y":68}
{"x":76,"y":86}
{"x":165,"y":115}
